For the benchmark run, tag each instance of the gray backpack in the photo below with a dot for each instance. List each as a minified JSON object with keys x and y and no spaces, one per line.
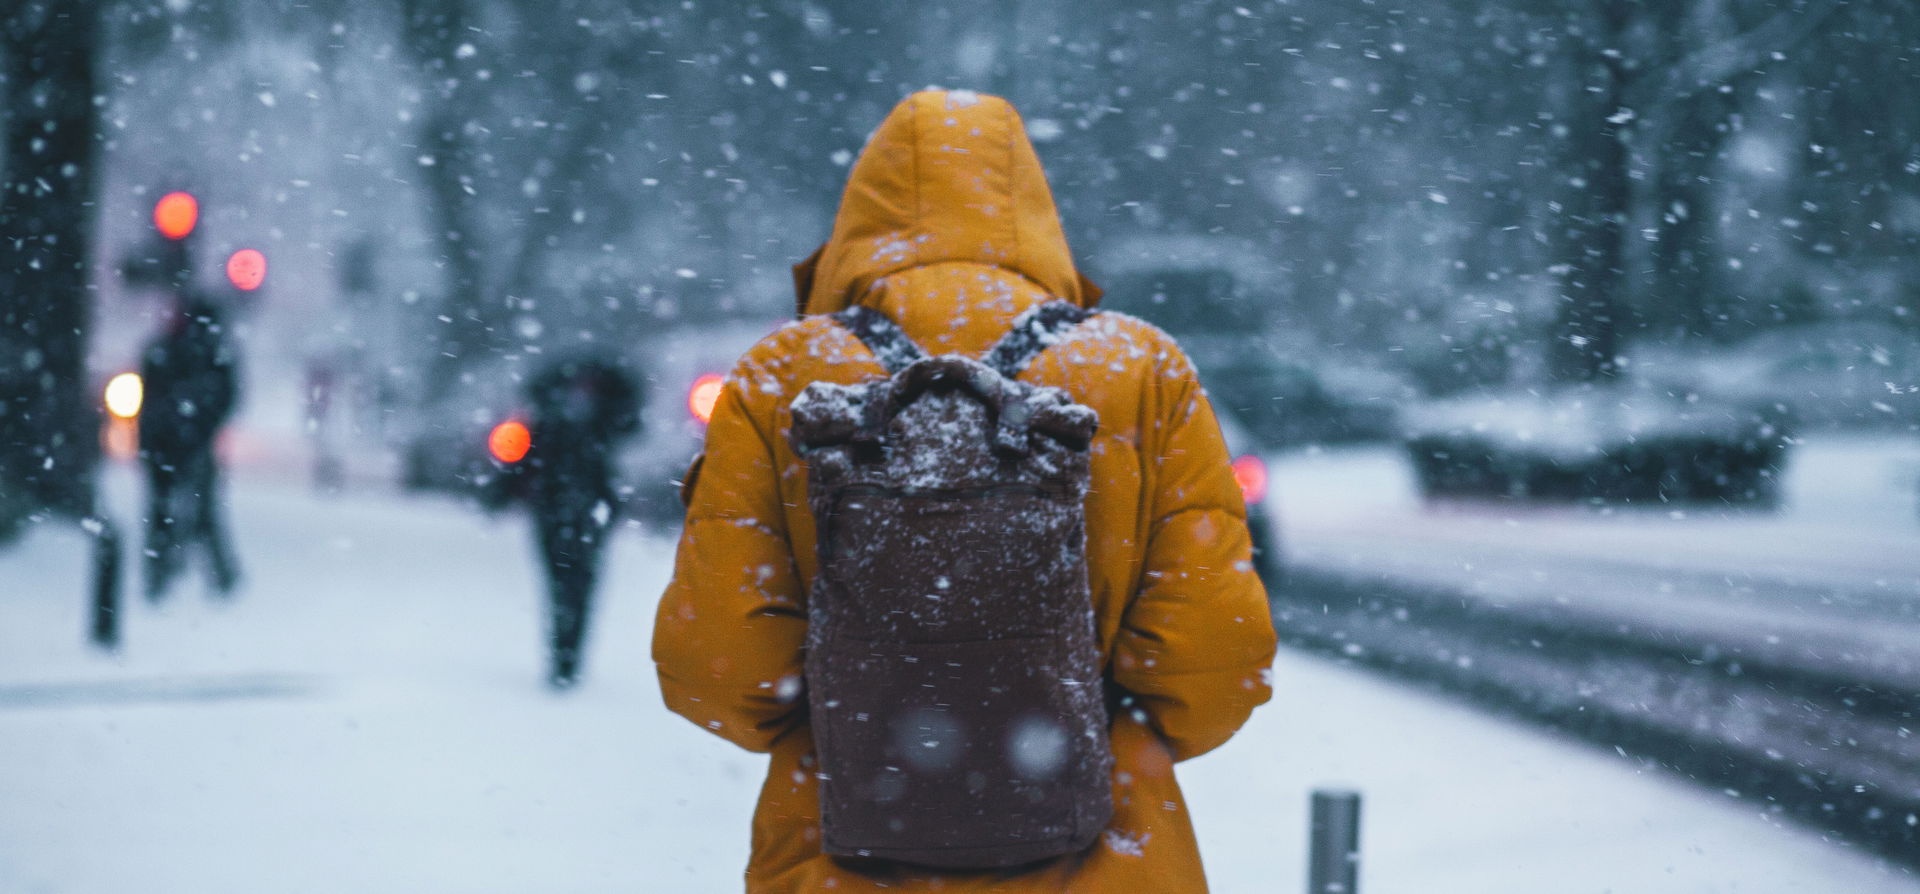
{"x":954,"y":676}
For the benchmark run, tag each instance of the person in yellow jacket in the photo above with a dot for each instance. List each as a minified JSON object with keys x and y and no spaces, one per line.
{"x":948,"y":227}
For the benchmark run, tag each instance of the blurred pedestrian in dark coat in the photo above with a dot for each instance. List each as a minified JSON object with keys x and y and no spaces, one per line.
{"x":191,"y":385}
{"x":581,"y":409}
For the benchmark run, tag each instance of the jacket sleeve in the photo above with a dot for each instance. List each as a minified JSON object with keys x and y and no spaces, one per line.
{"x":1196,"y":644}
{"x":728,"y":636}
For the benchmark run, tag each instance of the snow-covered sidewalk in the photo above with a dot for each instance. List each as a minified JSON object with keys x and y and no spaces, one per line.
{"x":368,"y":717}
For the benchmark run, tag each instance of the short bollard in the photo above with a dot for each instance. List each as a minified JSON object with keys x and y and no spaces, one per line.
{"x":105,"y":629}
{"x":1333,"y":865}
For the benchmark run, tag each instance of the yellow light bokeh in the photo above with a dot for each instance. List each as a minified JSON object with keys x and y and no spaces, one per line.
{"x":124,"y":394}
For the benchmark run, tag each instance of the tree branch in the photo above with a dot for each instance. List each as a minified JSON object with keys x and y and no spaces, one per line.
{"x":1713,"y":65}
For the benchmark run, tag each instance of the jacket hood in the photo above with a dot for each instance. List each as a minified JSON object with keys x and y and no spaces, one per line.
{"x":948,"y":177}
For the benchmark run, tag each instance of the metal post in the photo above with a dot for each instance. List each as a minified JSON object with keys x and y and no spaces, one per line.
{"x":1334,"y":852}
{"x":105,"y":631}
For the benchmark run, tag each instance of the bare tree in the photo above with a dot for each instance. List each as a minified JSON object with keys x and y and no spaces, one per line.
{"x":47,"y":442}
{"x":1622,"y":84}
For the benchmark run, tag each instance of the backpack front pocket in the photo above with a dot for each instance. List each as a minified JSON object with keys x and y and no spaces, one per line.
{"x":953,"y":754}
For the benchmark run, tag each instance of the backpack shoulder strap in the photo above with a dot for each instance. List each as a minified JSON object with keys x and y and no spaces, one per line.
{"x":1033,"y":332}
{"x":888,"y":342}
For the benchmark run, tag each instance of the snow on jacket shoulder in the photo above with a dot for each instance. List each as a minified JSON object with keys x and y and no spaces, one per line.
{"x":948,"y":228}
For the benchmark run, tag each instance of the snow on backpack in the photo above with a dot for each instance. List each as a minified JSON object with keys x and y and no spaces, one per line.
{"x":954,"y":676}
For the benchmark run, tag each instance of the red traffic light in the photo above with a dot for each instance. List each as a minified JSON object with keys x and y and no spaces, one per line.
{"x":509,"y":441}
{"x":175,"y":214}
{"x":247,"y":269}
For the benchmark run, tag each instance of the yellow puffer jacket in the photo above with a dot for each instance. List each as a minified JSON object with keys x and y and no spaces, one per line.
{"x":948,"y":227}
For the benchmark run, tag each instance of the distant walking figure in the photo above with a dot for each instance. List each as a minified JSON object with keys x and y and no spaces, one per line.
{"x":964,"y":553}
{"x":581,"y":410}
{"x":191,"y":383}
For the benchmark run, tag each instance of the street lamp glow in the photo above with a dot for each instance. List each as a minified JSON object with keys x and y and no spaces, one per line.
{"x":124,"y":395}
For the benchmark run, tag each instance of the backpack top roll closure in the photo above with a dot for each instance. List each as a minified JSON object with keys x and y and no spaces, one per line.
{"x":821,"y":419}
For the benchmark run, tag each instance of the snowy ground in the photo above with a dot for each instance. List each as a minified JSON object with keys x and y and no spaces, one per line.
{"x":367,"y":717}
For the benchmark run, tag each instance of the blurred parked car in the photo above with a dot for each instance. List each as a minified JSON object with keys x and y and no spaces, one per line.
{"x":1250,"y":472}
{"x":446,"y":447}
{"x":697,"y":369}
{"x":1288,"y":403}
{"x":1621,"y":442}
{"x":1214,"y":294}
{"x":685,"y":372}
{"x":1822,"y":375}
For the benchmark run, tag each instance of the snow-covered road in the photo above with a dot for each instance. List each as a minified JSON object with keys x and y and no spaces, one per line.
{"x":1830,"y":581}
{"x":368,"y":717}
